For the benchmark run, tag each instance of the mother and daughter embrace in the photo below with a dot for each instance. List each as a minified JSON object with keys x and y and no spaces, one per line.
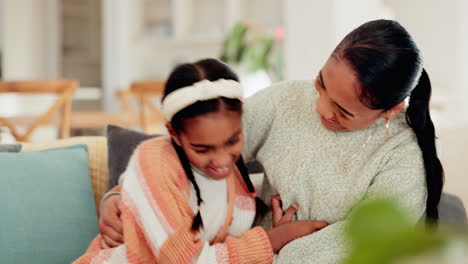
{"x":325,"y":145}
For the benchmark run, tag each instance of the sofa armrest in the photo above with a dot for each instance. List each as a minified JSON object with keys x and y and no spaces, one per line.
{"x":452,"y":211}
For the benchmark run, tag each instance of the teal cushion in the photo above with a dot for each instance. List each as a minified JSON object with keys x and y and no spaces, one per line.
{"x":48,"y":214}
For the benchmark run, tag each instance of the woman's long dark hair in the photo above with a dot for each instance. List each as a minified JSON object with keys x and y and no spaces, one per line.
{"x":186,"y":75}
{"x":388,"y":65}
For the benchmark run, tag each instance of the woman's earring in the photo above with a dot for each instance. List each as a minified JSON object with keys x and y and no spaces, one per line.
{"x":387,"y":128}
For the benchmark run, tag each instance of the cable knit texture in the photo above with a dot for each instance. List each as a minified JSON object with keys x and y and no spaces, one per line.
{"x":328,"y":173}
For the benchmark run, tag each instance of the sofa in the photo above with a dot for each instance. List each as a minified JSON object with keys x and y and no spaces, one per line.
{"x":50,"y":195}
{"x":95,"y":182}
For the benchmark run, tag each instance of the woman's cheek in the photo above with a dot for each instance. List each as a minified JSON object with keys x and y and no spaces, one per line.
{"x":238,"y":148}
{"x":319,"y":106}
{"x":347,"y":123}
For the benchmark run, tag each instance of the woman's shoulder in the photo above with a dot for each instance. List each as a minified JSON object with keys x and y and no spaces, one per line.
{"x":294,"y":83}
{"x":281,"y":94}
{"x":285,"y":88}
{"x":399,"y":127}
{"x":402,"y":140}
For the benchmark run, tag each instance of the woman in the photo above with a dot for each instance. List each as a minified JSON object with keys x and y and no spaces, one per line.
{"x":196,"y":203}
{"x":347,"y":138}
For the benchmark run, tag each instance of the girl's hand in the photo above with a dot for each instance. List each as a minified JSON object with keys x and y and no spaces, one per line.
{"x":279,"y":216}
{"x":284,"y":229}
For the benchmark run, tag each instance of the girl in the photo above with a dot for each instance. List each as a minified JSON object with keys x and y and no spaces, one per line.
{"x":188,"y":197}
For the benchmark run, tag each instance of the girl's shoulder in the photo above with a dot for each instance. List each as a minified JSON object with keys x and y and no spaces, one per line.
{"x":157,"y":146}
{"x":158,"y":157}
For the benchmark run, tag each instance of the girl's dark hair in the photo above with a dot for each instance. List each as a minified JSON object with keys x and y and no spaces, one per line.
{"x":186,"y":75}
{"x":388,"y":65}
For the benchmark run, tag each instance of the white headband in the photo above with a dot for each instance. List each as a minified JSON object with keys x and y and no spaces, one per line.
{"x":200,"y":91}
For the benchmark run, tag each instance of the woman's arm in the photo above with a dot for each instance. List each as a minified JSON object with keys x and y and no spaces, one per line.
{"x":110,"y":226}
{"x":159,"y":213}
{"x":238,"y":249}
{"x":398,"y":179}
{"x":258,"y":116}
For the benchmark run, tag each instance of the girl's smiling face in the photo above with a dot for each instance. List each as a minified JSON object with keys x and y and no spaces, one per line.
{"x":213,"y":142}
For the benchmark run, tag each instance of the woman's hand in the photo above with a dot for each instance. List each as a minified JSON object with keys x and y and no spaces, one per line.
{"x":279,"y":216}
{"x":281,"y":235}
{"x":110,"y":224}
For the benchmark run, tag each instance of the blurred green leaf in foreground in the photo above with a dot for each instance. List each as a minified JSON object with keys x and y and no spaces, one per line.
{"x":381,"y":233}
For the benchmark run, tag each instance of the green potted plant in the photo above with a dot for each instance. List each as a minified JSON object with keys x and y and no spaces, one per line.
{"x":255,"y":54}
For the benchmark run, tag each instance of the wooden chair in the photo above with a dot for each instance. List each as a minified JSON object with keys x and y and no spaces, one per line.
{"x":127,"y":117}
{"x":64,"y":89}
{"x":151,"y":119}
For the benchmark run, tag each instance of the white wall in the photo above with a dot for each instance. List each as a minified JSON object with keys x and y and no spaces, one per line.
{"x":53,"y":38}
{"x":315,"y":27}
{"x":26,"y":39}
{"x":440,"y":28}
{"x":1,"y":27}
{"x":460,"y":91}
{"x":310,"y":37}
{"x":351,"y":14}
{"x":115,"y":49}
{"x":453,"y":153}
{"x":22,"y":28}
{"x":136,"y":47}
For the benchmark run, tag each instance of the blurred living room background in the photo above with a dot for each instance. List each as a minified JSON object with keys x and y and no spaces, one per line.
{"x":116,"y":54}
